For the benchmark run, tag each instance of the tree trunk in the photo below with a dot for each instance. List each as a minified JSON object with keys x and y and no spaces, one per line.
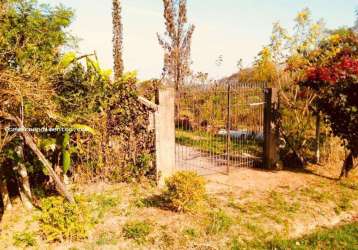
{"x":349,"y":163}
{"x":23,"y":179}
{"x":61,"y":188}
{"x":4,"y":192}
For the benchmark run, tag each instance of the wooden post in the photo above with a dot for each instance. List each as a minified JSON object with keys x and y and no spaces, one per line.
{"x":271,"y":131}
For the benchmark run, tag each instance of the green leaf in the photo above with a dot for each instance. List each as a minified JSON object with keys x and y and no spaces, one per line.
{"x":66,"y":161}
{"x":65,"y":141}
{"x":67,"y":59}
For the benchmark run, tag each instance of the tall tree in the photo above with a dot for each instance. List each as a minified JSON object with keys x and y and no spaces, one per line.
{"x":117,"y":38}
{"x":176,"y":41}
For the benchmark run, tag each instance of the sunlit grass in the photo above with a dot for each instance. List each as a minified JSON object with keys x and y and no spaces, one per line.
{"x":215,"y":144}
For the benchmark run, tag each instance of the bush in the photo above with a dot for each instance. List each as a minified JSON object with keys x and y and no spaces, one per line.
{"x":61,"y":220}
{"x":218,"y":222}
{"x":137,"y":230}
{"x":184,"y":190}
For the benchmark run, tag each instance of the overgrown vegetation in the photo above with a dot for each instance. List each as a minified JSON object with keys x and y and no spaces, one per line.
{"x":99,"y":128}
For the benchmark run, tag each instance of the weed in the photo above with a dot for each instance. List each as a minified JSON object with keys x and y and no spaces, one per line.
{"x":232,"y":203}
{"x":343,"y":204}
{"x":280,"y":204}
{"x":24,"y":239}
{"x":349,"y":184}
{"x":137,"y":230}
{"x":106,"y":238}
{"x":191,"y":232}
{"x":100,"y":204}
{"x":153,"y":201}
{"x":218,"y":222}
{"x":316,"y":195}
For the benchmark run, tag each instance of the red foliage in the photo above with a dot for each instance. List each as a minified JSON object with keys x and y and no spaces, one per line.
{"x":334,"y":73}
{"x":334,"y":80}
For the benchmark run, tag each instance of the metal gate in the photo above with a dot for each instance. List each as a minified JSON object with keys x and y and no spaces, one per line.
{"x":219,"y":126}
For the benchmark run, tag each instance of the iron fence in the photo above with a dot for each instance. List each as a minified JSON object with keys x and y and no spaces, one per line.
{"x":219,"y":126}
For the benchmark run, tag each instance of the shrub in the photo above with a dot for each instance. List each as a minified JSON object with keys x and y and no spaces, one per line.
{"x":184,"y":191}
{"x":24,"y":239}
{"x":218,"y":222}
{"x":61,"y":220}
{"x":137,"y":230}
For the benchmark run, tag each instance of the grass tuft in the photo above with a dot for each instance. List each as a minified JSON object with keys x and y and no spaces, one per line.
{"x":24,"y":239}
{"x":137,"y":231}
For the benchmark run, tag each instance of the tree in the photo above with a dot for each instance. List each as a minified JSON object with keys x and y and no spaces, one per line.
{"x":32,"y":35}
{"x":176,"y":42}
{"x":282,"y":63}
{"x":117,"y":38}
{"x":31,"y":38}
{"x":333,"y":76}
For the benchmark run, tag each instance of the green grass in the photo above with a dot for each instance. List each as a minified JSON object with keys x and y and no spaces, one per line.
{"x":218,"y":222}
{"x":206,"y":142}
{"x":101,"y":204}
{"x":341,"y":237}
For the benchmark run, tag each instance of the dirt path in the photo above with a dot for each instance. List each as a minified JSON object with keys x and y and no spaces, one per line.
{"x":188,"y":158}
{"x":256,"y":180}
{"x":240,"y":179}
{"x":206,"y":164}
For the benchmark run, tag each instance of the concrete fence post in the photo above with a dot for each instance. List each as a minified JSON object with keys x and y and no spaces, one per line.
{"x":271,"y":130}
{"x":165,"y":134}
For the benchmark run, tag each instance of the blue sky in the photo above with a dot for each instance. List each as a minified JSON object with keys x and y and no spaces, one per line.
{"x":232,"y":28}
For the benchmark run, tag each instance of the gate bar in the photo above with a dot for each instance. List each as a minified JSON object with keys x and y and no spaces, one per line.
{"x":228,"y":129}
